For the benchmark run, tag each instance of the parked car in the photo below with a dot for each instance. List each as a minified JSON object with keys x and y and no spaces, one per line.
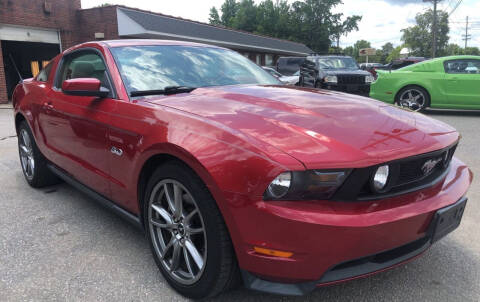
{"x":287,"y":80}
{"x":370,"y":67}
{"x":397,"y":64}
{"x":233,"y":176}
{"x":340,"y":73}
{"x":289,"y":65}
{"x":448,"y":82}
{"x":367,"y":66}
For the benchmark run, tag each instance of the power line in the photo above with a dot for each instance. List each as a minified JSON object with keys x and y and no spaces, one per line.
{"x":455,"y":8}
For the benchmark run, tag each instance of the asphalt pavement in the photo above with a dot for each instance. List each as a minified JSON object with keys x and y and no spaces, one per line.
{"x":56,"y":244}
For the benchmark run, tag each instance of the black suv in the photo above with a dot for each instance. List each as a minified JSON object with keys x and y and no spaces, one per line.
{"x":289,"y":65}
{"x":340,"y":73}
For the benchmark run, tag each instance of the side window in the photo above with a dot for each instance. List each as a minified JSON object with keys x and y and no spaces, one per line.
{"x":45,"y":73}
{"x":464,"y":66}
{"x":84,"y":65}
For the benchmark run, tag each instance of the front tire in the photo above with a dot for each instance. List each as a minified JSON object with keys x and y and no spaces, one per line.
{"x":187,"y":234}
{"x":34,"y":164}
{"x":414,"y":98}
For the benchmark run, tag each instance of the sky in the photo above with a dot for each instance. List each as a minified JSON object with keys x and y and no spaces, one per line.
{"x":381,"y":23}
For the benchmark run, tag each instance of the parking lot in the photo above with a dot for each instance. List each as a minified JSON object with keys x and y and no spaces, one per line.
{"x":58,"y":245}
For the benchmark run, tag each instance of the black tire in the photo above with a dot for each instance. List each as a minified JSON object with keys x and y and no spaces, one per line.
{"x":40,"y":175}
{"x":421,"y":90}
{"x":220,"y":271}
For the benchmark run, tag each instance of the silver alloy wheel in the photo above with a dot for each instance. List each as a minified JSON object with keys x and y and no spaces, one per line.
{"x":26,"y":154}
{"x":177,"y":231}
{"x":412,"y":99}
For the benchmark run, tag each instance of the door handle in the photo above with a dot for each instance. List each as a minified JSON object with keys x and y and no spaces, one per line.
{"x":48,"y":105}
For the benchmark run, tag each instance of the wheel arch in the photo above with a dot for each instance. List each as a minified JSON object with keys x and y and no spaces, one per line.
{"x":175,"y":153}
{"x":19,"y":117}
{"x":414,"y":85}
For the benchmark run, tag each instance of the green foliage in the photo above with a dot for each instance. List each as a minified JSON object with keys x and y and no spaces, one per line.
{"x":454,"y":49}
{"x":311,"y":22}
{"x":214,"y":18}
{"x":348,"y":51}
{"x":473,"y":51}
{"x":395,"y":54}
{"x":229,"y":11}
{"x":419,"y":37}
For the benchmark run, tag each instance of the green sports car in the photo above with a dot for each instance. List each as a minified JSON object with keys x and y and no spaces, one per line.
{"x":448,"y":82}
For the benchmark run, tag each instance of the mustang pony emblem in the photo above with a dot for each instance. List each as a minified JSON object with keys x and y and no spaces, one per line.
{"x":429,"y":165}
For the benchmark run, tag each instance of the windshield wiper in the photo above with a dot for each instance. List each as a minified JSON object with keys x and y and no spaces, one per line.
{"x":165,"y":91}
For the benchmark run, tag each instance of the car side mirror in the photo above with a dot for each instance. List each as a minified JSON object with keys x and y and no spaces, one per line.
{"x":84,"y":87}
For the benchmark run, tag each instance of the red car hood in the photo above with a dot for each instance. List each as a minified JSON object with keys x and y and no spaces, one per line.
{"x":322,"y":129}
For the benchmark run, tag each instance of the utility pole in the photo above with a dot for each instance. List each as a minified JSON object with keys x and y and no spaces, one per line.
{"x":434,"y":27}
{"x":466,"y":37}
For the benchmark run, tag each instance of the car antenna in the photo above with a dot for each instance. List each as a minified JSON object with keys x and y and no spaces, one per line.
{"x":16,"y":69}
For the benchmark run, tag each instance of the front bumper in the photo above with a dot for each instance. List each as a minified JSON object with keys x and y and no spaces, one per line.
{"x":359,"y":89}
{"x":326,"y":237}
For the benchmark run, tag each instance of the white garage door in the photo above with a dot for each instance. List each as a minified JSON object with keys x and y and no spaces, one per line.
{"x":27,"y":34}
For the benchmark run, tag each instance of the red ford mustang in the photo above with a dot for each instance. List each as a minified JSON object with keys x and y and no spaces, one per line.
{"x":234,"y":177}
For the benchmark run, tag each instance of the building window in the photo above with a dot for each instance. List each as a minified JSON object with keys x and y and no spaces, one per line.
{"x":258,"y":59}
{"x":269,"y":60}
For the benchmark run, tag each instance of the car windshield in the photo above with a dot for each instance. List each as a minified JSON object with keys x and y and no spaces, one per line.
{"x":145,"y":68}
{"x":337,"y":63}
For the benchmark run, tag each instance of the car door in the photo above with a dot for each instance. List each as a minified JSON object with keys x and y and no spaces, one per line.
{"x":76,"y":126}
{"x":463,"y":82}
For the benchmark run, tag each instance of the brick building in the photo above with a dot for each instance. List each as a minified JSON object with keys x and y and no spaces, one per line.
{"x":34,"y":31}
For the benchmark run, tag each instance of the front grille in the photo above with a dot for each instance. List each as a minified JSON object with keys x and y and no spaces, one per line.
{"x":351,"y":79}
{"x":406,"y":175}
{"x":423,"y":166}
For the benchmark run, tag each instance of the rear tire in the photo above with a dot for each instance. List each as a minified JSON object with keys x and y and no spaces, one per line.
{"x":34,"y":164}
{"x":209,"y":267}
{"x":413,"y":97}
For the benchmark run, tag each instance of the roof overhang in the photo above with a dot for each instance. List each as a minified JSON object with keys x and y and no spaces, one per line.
{"x":130,"y":28}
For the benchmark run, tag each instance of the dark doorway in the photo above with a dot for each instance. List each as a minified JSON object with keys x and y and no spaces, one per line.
{"x":25,"y":54}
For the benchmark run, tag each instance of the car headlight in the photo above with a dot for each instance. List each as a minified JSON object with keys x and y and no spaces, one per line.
{"x":380,"y":178}
{"x":369,"y":79}
{"x":278,"y":188}
{"x":305,"y":185}
{"x":330,"y":79}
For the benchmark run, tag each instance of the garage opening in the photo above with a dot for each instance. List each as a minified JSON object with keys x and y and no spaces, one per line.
{"x":29,"y":57}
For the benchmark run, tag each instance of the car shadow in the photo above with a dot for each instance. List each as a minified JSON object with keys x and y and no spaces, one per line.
{"x":452,"y":112}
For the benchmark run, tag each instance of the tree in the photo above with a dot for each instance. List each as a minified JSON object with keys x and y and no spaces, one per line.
{"x":343,"y":28}
{"x":472,"y":51}
{"x":453,"y":49}
{"x":387,"y":49}
{"x":310,"y":22}
{"x":419,"y":36}
{"x":245,"y":16}
{"x":229,"y":11}
{"x":348,"y":51}
{"x":214,"y":18}
{"x":395,"y":54}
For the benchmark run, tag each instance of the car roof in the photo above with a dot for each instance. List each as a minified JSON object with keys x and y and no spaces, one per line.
{"x":139,"y":42}
{"x":329,"y":56}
